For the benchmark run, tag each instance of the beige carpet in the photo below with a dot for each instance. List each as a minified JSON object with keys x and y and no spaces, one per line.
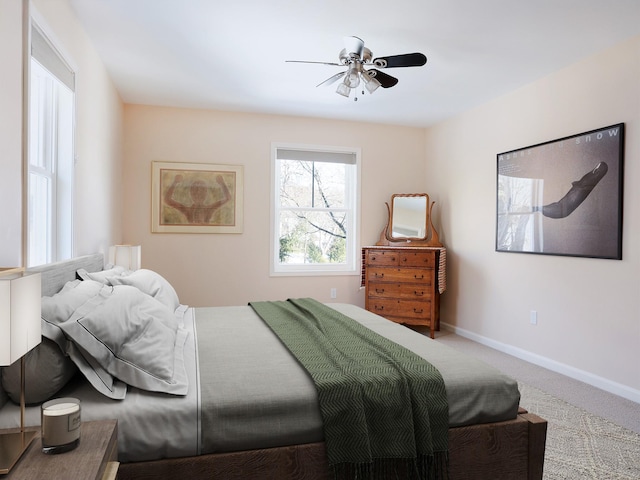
{"x":581,"y":445}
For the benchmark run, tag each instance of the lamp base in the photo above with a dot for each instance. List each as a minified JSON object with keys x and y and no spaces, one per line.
{"x":12,"y":446}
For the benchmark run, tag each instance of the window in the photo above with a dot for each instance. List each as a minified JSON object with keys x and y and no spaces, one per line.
{"x":51,"y":153}
{"x":315,"y":217}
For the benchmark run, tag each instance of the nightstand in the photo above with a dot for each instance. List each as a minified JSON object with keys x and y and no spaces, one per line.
{"x":95,"y":458}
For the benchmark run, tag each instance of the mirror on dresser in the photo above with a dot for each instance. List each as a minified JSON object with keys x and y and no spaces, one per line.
{"x":409,"y":217}
{"x":409,"y":221}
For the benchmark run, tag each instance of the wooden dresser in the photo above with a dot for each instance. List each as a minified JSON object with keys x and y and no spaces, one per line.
{"x":401,"y":284}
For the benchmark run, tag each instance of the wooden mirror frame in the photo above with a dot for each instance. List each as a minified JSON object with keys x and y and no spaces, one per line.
{"x":431,"y":238}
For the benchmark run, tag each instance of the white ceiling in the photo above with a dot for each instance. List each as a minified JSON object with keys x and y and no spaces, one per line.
{"x":230,"y":55}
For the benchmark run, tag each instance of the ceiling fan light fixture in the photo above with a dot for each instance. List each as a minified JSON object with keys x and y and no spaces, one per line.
{"x":343,"y":89}
{"x":355,"y":57}
{"x":352,"y":79}
{"x":369,"y":82}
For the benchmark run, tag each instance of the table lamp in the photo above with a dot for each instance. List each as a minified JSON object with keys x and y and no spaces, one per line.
{"x":127,"y":256}
{"x":20,"y":331}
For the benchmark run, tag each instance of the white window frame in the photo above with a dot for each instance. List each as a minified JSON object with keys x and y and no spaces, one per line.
{"x":53,"y":240}
{"x":351,"y":266}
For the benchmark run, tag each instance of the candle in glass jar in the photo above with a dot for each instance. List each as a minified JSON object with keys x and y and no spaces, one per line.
{"x":60,"y":425}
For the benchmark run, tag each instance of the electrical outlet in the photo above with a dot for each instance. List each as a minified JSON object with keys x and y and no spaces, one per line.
{"x":334,"y":293}
{"x":533,"y":317}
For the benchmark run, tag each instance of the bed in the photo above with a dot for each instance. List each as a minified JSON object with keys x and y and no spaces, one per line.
{"x":241,"y":417}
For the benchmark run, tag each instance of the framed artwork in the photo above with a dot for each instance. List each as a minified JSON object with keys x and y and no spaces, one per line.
{"x":196,"y":198}
{"x":563,"y":197}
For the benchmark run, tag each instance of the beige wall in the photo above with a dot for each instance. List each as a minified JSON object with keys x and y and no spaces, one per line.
{"x":588,"y":309}
{"x":11,"y":133}
{"x":232,"y":269}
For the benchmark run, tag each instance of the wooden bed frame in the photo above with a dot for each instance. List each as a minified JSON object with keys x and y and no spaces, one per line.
{"x":491,"y":451}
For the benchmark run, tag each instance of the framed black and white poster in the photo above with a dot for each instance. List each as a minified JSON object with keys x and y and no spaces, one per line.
{"x":563,"y":197}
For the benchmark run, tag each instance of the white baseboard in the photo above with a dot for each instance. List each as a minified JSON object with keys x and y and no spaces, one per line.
{"x":594,"y":380}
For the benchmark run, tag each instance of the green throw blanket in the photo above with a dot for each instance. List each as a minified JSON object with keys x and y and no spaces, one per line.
{"x":384,"y":408}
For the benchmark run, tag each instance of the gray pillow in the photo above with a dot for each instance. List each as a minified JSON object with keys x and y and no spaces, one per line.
{"x":133,"y":337}
{"x":3,"y":395}
{"x":47,"y":370}
{"x":59,"y":308}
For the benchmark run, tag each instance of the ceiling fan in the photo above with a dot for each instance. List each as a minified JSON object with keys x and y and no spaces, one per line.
{"x":357,"y":58}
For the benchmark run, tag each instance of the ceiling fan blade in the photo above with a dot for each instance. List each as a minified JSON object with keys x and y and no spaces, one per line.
{"x":354,"y":45}
{"x":332,"y":79}
{"x":386,"y":81}
{"x":406,"y":60}
{"x":321,"y":63}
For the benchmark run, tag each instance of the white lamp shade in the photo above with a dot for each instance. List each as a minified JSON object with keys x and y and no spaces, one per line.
{"x":20,"y":328}
{"x":127,"y":256}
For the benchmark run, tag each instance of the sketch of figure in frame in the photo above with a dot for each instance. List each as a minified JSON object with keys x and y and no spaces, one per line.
{"x":197,"y":197}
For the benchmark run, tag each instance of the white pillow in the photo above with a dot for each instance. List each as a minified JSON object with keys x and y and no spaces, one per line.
{"x":147,"y":281}
{"x":151,"y":283}
{"x":132,"y":336}
{"x":62,"y":305}
{"x":102,"y":275}
{"x":58,"y":309}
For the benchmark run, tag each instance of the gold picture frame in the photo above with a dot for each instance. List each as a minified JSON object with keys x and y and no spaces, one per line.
{"x":196,"y":198}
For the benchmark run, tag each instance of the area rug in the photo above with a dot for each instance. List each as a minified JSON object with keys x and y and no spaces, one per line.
{"x":581,"y":445}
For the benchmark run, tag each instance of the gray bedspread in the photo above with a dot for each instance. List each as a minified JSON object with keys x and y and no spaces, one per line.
{"x":254,"y":394}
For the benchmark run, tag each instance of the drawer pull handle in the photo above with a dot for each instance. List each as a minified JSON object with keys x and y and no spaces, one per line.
{"x":417,"y":293}
{"x":378,"y":308}
{"x":378,"y":275}
{"x":415,"y":310}
{"x":419,"y":277}
{"x":379,"y":290}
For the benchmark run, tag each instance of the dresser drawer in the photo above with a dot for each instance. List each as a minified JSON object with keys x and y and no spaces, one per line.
{"x":399,"y":290}
{"x":417,"y":259}
{"x":401,"y":308}
{"x":402,"y":275}
{"x":382,"y":257}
